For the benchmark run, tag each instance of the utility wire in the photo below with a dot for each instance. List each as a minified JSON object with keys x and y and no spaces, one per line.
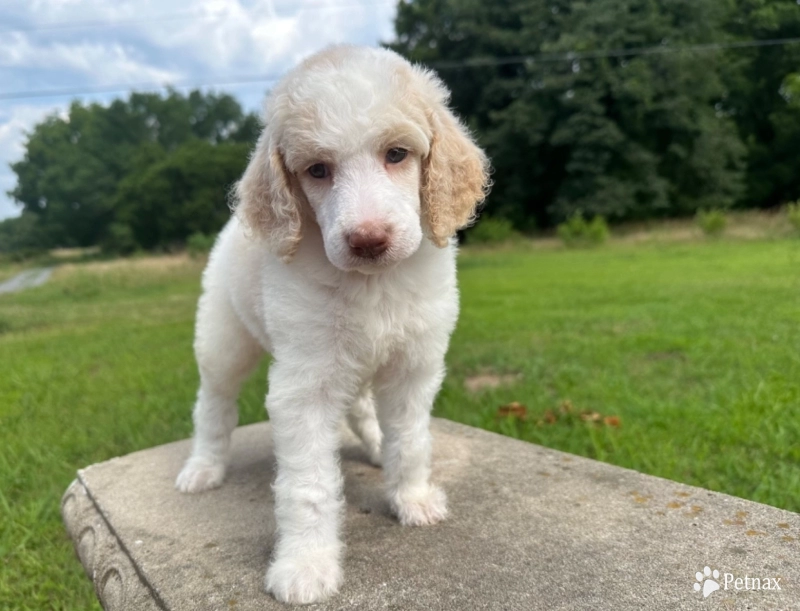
{"x":50,"y":93}
{"x":178,"y":16}
{"x":578,"y":55}
{"x":442,"y":65}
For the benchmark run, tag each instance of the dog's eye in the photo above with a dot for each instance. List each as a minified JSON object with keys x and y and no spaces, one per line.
{"x":319,"y":170}
{"x":396,"y":155}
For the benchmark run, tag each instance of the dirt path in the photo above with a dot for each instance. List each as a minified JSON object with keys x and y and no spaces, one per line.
{"x":26,"y":280}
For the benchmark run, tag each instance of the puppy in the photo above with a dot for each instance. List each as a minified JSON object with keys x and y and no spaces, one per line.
{"x":340,"y":263}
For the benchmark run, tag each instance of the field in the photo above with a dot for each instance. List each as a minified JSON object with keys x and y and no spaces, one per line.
{"x":679,"y":358}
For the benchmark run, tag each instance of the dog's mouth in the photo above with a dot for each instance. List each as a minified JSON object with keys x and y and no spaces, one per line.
{"x":372,"y":264}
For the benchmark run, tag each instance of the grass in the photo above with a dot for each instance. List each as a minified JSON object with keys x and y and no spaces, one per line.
{"x":9,"y":269}
{"x":690,"y":347}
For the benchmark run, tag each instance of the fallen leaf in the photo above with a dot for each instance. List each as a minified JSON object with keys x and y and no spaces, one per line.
{"x":612,"y":421}
{"x":550,"y":417}
{"x":590,"y":417}
{"x":513,"y":410}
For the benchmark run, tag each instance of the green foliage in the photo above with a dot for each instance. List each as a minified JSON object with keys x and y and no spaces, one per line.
{"x":491,"y":230}
{"x":180,"y":194}
{"x":199,"y":244}
{"x":623,"y":137}
{"x":762,"y":98}
{"x":22,"y":235}
{"x":119,"y":240}
{"x":577,"y":231}
{"x":74,"y":167}
{"x":712,"y":222}
{"x":793,"y":212}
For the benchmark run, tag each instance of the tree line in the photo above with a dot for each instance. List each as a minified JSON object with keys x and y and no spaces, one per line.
{"x":629,"y":109}
{"x":141,"y":173}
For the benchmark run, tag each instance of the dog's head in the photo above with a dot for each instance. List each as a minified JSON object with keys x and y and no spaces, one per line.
{"x":362,"y":143}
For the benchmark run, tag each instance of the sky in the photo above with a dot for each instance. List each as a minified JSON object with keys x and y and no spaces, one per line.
{"x":76,"y":47}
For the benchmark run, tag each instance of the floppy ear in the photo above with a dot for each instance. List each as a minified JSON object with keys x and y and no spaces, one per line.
{"x":455,"y":177}
{"x":266,"y":200}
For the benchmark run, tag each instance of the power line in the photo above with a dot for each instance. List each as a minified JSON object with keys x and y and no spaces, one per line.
{"x":442,"y":65}
{"x":50,"y":93}
{"x":181,"y":15}
{"x":578,"y":55}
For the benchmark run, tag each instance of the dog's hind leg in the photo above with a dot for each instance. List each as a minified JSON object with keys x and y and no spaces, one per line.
{"x":364,"y":423}
{"x":226,"y":354}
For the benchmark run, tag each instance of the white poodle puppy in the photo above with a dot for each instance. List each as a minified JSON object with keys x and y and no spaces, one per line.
{"x":339,"y":262}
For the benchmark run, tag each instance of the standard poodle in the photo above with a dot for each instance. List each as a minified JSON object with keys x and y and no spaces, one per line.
{"x":340,"y":262}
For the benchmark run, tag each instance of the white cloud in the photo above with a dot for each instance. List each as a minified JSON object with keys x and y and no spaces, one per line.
{"x":96,"y":62}
{"x":162,"y":41}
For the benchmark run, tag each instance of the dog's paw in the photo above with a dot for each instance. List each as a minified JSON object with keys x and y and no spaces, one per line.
{"x":420,"y":507}
{"x":304,"y":579}
{"x":374,"y":453}
{"x":200,"y":473}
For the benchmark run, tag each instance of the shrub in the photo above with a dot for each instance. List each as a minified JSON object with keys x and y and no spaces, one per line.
{"x":712,"y":222}
{"x":119,"y":240}
{"x":199,"y":244}
{"x":490,"y":230}
{"x":577,"y":231}
{"x":794,"y":215}
{"x":24,"y":255}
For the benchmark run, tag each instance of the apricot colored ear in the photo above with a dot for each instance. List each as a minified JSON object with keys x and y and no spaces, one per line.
{"x":455,"y":177}
{"x":266,"y":202}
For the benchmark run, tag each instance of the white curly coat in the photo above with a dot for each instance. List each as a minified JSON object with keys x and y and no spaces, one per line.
{"x":355,"y":334}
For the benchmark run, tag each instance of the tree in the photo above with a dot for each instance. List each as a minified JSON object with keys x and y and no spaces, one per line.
{"x":764,"y":99}
{"x":21,"y":234}
{"x":577,"y":128}
{"x":74,"y":165}
{"x":183,"y":193}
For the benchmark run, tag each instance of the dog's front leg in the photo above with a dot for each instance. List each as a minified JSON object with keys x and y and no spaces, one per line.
{"x":405,"y":391}
{"x":305,"y":408}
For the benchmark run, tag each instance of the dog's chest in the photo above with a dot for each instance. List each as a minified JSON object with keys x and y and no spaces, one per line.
{"x":380,"y":321}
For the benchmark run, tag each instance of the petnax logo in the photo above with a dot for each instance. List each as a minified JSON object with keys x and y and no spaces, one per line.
{"x":710,"y":580}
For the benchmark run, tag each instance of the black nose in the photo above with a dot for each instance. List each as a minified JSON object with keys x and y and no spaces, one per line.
{"x":368,"y":241}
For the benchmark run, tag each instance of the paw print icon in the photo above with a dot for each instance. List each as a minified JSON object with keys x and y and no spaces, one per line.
{"x":707,"y":581}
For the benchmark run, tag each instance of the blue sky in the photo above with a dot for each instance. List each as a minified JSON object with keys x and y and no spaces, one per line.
{"x":102,"y":44}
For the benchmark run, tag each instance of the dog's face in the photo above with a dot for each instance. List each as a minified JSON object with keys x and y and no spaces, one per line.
{"x":367,"y":204}
{"x":362,"y":143}
{"x":357,"y":159}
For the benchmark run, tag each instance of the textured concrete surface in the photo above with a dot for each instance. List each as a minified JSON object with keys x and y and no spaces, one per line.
{"x":530,"y":528}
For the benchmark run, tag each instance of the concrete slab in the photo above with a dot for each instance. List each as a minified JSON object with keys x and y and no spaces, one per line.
{"x":530,"y":528}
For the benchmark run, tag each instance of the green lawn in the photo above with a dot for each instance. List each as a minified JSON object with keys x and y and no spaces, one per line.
{"x":694,"y":347}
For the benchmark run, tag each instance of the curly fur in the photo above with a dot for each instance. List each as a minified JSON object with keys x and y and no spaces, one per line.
{"x":354,"y":337}
{"x":266,"y":201}
{"x":455,"y":177}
